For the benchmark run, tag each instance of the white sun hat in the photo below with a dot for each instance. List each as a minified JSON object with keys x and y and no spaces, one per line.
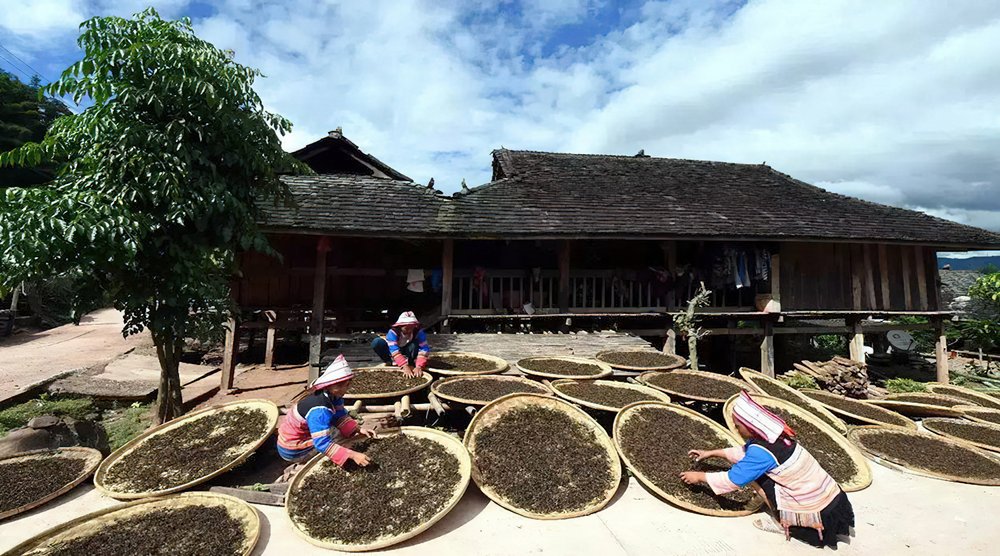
{"x":407,"y":318}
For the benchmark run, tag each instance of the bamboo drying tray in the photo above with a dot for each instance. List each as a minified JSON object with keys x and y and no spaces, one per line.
{"x":427,"y":378}
{"x":927,"y":399}
{"x":606,"y":369}
{"x":862,"y":479}
{"x":677,"y":363}
{"x":267,"y":406}
{"x":451,"y":443}
{"x":95,"y":521}
{"x":644,"y":379}
{"x":500,"y":365}
{"x":818,"y":396}
{"x":496,"y":409}
{"x":91,"y":459}
{"x":975,"y":413}
{"x":930,"y":425}
{"x":857,"y":435}
{"x":631,"y":410}
{"x":914,"y":409}
{"x":593,"y":405}
{"x":976,"y":398}
{"x":436,"y":386}
{"x":753,"y":377}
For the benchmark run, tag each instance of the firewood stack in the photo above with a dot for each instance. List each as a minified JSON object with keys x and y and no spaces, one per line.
{"x":840,"y":376}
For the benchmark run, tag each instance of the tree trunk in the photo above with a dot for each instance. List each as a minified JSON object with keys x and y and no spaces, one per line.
{"x":169,"y":403}
{"x":693,"y":351}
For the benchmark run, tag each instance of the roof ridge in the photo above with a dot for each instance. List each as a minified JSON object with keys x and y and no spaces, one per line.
{"x":629,"y":157}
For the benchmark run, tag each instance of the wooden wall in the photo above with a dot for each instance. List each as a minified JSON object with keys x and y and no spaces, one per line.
{"x":856,"y":276}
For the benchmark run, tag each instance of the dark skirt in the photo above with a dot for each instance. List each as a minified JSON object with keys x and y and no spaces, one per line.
{"x":837,"y":516}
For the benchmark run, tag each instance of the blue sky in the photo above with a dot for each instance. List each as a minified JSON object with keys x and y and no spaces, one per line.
{"x":894,"y":102}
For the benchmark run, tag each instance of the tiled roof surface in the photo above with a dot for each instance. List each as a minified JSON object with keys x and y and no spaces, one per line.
{"x":538,"y":194}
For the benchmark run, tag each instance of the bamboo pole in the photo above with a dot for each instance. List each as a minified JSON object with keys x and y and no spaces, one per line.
{"x":435,"y":404}
{"x":404,"y":409}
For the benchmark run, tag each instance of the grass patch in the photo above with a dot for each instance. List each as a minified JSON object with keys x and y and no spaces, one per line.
{"x":19,"y":415}
{"x":127,"y":424}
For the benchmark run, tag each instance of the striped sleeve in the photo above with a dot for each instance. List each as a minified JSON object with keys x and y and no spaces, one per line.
{"x":320,"y":421}
{"x":343,"y":421}
{"x":393,"y":340}
{"x":425,"y":349}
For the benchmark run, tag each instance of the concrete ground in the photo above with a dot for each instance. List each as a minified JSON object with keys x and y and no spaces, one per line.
{"x":97,"y":340}
{"x":898,"y":514}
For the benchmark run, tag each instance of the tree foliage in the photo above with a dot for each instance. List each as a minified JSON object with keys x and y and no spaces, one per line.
{"x":159,"y":182}
{"x":987,"y":289}
{"x":25,"y":115}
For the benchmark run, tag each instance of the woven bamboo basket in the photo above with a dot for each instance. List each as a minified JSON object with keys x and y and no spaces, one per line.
{"x":644,"y":378}
{"x":91,"y":459}
{"x":496,"y":410}
{"x":436,"y":387}
{"x":427,"y":378}
{"x":631,"y":410}
{"x":927,"y":398}
{"x":861,"y":480}
{"x":524,"y":365}
{"x":556,"y":384}
{"x":914,"y":409}
{"x":976,"y":398}
{"x":94,"y":522}
{"x":979,"y":414}
{"x":755,"y":378}
{"x":932,"y":423}
{"x":500,"y":365}
{"x":267,"y":406}
{"x":891,"y":416}
{"x":676,"y":360}
{"x":857,"y":436}
{"x":449,"y":442}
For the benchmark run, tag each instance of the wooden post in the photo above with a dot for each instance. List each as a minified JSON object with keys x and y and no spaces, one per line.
{"x":564,"y":293}
{"x":670,"y":260}
{"x":883,"y":274}
{"x":318,"y":308}
{"x":776,"y":283}
{"x":272,"y":330}
{"x":921,"y":278}
{"x":767,"y":350}
{"x":855,"y":278}
{"x":869,"y":277}
{"x":857,"y":343}
{"x":907,"y":297}
{"x":229,"y":354}
{"x":941,"y":351}
{"x":447,"y":273}
{"x":934,"y":293}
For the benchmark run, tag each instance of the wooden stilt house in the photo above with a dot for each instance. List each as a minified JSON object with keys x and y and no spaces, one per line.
{"x":557,"y":240}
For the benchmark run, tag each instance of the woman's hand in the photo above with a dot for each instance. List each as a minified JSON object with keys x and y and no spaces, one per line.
{"x":693,"y":477}
{"x":366,"y":432}
{"x":359,"y":458}
{"x":410,"y":372}
{"x":699,"y":455}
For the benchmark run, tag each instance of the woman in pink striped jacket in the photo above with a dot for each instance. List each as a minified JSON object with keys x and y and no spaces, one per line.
{"x":810,"y":505}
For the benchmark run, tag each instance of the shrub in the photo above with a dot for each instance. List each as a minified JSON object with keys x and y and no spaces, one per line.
{"x":19,"y":415}
{"x":900,"y":385}
{"x":799,"y":381}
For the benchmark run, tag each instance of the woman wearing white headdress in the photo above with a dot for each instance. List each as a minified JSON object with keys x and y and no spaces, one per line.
{"x":405,"y":345}
{"x":318,"y":421}
{"x":809,"y":504}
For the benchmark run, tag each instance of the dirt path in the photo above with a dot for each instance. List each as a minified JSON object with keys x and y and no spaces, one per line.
{"x":29,"y":359}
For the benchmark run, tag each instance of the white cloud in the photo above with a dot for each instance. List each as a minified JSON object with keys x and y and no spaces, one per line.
{"x":889,"y":101}
{"x":37,"y":19}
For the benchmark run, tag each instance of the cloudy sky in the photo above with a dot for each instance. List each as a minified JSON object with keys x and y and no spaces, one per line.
{"x":896,"y":102}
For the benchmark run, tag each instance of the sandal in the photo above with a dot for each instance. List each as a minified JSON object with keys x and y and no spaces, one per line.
{"x":768,"y":525}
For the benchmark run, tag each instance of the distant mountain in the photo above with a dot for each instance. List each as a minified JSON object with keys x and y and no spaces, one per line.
{"x":972,"y":263}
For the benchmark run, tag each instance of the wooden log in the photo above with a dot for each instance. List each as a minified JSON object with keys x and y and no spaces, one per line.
{"x":921,"y":278}
{"x":883,"y":274}
{"x":230,"y":349}
{"x":907,"y":297}
{"x":941,"y":352}
{"x":855,"y":278}
{"x":857,"y":343}
{"x":435,"y":404}
{"x":776,"y":283}
{"x":272,"y":332}
{"x":318,"y":307}
{"x":404,"y":409}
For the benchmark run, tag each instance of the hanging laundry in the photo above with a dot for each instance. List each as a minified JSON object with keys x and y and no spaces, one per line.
{"x":437,"y":280}
{"x":415,"y":280}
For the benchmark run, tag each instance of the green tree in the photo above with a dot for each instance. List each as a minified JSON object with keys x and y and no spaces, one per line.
{"x":25,"y":115}
{"x":987,"y":289}
{"x":159,"y":182}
